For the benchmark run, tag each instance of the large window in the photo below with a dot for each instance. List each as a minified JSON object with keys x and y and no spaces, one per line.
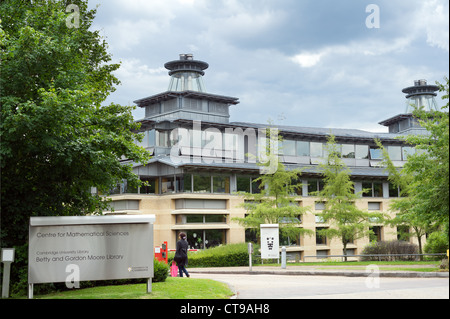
{"x":315,"y":186}
{"x":221,"y":184}
{"x":376,"y":153}
{"x":202,"y":184}
{"x":320,"y":239}
{"x":374,"y":189}
{"x":248,"y":184}
{"x":348,"y":151}
{"x":201,"y":219}
{"x":302,"y":148}
{"x":151,"y":185}
{"x":316,"y":149}
{"x":286,"y":240}
{"x":288,"y":148}
{"x":408,"y":151}
{"x":203,"y":239}
{"x":362,"y":151}
{"x":395,"y":153}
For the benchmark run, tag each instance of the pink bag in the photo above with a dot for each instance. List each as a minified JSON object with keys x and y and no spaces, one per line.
{"x":174,"y":270}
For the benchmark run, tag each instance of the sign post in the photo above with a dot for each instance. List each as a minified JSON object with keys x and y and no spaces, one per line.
{"x":270,"y":246}
{"x":7,"y":259}
{"x":74,"y":249}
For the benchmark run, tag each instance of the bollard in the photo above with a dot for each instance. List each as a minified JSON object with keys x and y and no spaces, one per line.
{"x":250,"y":252}
{"x":283,"y":257}
{"x":7,"y":258}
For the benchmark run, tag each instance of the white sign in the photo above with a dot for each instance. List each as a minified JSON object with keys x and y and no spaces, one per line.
{"x":270,"y":245}
{"x":90,"y":248}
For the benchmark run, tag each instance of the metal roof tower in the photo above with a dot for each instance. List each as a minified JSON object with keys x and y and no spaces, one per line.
{"x":422,"y":95}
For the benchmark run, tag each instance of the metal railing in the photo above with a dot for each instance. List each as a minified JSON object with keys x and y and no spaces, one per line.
{"x":380,"y":256}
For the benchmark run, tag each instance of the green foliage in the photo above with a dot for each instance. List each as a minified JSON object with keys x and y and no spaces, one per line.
{"x":437,"y":243}
{"x":161,"y":271}
{"x":57,"y":139}
{"x":389,"y":247}
{"x":222,"y":256}
{"x":347,"y":222}
{"x":430,"y":168}
{"x":275,"y":204}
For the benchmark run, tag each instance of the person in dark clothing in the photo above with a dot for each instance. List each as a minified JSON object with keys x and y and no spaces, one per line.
{"x":181,"y":257}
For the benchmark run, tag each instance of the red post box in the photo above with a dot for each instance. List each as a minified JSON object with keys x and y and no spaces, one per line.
{"x":161,"y":253}
{"x":164,"y":252}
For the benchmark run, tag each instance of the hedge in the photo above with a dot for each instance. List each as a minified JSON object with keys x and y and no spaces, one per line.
{"x":389,"y":248}
{"x":222,"y":256}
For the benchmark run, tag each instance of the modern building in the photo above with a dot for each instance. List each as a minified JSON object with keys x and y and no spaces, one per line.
{"x":200,"y":164}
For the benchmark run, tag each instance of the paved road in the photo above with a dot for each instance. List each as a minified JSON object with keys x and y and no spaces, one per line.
{"x":331,"y":287}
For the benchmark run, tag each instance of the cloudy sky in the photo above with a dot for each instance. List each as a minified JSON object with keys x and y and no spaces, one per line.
{"x":312,"y":63}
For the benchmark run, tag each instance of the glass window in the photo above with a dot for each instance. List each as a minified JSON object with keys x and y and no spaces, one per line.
{"x":167,"y":185}
{"x":151,"y":185}
{"x":302,"y":148}
{"x":286,"y":240}
{"x":202,"y":184}
{"x":395,"y":153}
{"x":362,"y":151}
{"x":319,"y":219}
{"x":221,"y":184}
{"x":377,"y":189}
{"x":215,"y":219}
{"x":194,"y":219}
{"x":201,"y":239}
{"x":393,"y":190}
{"x":152,"y":138}
{"x":288,"y":148}
{"x":162,"y":139}
{"x":316,"y":149}
{"x":408,"y":151}
{"x":312,"y":187}
{"x":348,"y":151}
{"x":376,"y":153}
{"x":184,"y":183}
{"x":243,"y":184}
{"x":320,"y":239}
{"x":255,"y":186}
{"x":368,"y":191}
{"x":130,"y":189}
{"x":215,"y":237}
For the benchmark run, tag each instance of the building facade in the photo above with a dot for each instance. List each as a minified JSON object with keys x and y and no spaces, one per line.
{"x":202,"y":162}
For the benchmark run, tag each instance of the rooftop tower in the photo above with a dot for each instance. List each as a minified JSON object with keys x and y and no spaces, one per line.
{"x":186,"y":98}
{"x":186,"y":74}
{"x":422,"y":96}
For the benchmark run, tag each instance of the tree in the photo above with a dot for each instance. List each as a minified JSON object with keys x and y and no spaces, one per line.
{"x":429,"y":166}
{"x":407,"y":209}
{"x":57,"y":139}
{"x":347,"y":222}
{"x":424,"y":179}
{"x":275,"y":204}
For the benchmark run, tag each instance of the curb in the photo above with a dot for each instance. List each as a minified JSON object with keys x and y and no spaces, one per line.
{"x":325,"y":273}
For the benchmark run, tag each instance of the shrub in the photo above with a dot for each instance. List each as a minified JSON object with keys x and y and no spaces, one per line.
{"x":436,"y":243}
{"x":161,"y":271}
{"x":221,"y":256}
{"x":444,"y":264}
{"x":389,"y":248}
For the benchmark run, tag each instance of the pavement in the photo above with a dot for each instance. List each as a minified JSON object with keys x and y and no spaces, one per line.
{"x":346,"y":271}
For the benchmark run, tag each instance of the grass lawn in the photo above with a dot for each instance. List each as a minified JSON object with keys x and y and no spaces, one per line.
{"x":172,"y":288}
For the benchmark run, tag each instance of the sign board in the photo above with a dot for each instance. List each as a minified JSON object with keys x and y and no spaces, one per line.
{"x":270,"y":245}
{"x":96,"y":247}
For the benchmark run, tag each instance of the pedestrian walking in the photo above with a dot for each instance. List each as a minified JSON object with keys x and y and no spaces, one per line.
{"x":181,"y":257}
